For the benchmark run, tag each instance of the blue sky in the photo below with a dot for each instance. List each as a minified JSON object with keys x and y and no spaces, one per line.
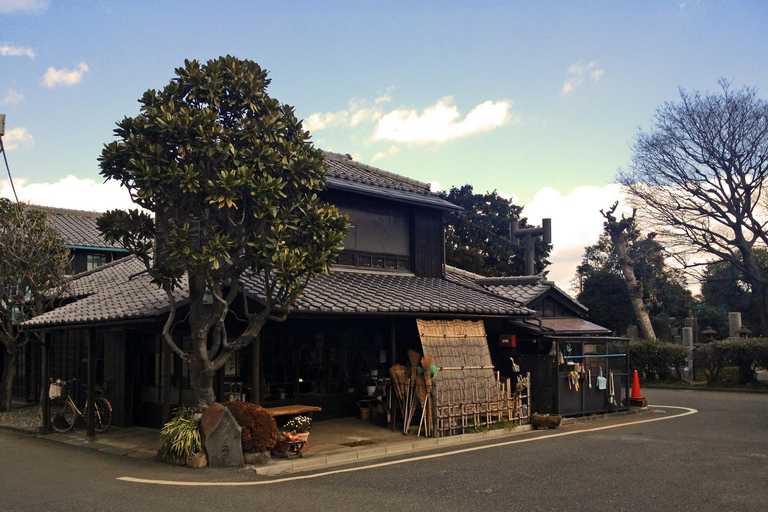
{"x":539,"y":100}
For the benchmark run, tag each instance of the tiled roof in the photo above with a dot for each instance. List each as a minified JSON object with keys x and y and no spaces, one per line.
{"x":121,"y":291}
{"x":524,"y":289}
{"x":343,"y":167}
{"x":118,"y":291}
{"x":349,"y":291}
{"x":347,"y":175}
{"x":77,"y":228}
{"x":565,"y":326}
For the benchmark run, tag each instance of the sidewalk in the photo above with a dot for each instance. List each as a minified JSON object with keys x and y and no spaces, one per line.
{"x":331,"y":443}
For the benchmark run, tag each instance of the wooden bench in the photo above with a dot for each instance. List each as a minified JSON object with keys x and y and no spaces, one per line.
{"x":293,"y":410}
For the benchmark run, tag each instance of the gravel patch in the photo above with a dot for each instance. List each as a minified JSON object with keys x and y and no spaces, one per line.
{"x":28,"y":417}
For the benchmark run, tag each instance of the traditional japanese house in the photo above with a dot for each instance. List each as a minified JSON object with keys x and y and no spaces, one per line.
{"x":88,"y":251}
{"x":80,"y":234}
{"x":553,"y":346}
{"x":342,"y":334}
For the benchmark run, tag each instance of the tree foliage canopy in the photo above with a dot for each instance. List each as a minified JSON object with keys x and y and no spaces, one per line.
{"x":699,"y":176}
{"x":232,"y":180}
{"x":33,"y":264}
{"x":477,"y":239}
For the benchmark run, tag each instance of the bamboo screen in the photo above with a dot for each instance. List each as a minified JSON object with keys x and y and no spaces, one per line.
{"x":461,"y":354}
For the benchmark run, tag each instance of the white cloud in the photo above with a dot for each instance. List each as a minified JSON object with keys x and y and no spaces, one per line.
{"x":434,"y":186}
{"x":439,"y":122}
{"x":54,"y":77}
{"x":23,"y":5}
{"x":391,"y":151}
{"x":576,"y":223}
{"x":358,"y":112}
{"x":12,"y":97}
{"x":9,"y":50}
{"x":70,"y":192}
{"x":509,"y":197}
{"x":576,"y":74}
{"x":18,"y":138}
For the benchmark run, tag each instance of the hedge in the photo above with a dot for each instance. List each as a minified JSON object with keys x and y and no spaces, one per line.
{"x":746,"y":354}
{"x":654,"y":358}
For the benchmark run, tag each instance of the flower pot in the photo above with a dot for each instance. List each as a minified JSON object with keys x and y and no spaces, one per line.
{"x":546,"y":420}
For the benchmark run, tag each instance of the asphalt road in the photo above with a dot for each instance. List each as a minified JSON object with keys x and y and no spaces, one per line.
{"x":716,"y":459}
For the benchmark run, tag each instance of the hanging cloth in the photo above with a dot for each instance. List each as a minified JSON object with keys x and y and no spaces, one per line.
{"x":611,"y":389}
{"x":589,"y":378}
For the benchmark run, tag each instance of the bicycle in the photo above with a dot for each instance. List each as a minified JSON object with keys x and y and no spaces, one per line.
{"x":64,"y":412}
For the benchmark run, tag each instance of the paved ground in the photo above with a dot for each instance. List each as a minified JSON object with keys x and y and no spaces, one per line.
{"x":714,"y":459}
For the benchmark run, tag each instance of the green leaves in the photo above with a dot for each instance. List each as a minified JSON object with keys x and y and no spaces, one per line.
{"x":229,"y":175}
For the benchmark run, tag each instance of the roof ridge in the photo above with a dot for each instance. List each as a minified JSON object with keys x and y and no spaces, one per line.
{"x":387,"y":174}
{"x":462,"y":272}
{"x":106,"y":266}
{"x":482,"y":289}
{"x":66,"y":211}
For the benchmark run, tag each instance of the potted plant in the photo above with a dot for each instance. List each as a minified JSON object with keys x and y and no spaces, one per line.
{"x":299,"y":425}
{"x":180,"y":439}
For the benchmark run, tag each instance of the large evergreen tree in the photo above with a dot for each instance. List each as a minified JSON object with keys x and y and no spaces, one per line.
{"x":232,"y":180}
{"x":478,"y":239}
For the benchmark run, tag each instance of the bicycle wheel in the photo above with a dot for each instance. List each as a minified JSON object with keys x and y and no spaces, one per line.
{"x":63,"y":415}
{"x":103,"y":414}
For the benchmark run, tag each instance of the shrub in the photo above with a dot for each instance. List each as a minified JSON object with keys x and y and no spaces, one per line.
{"x":180,"y":437}
{"x":654,"y":357}
{"x":713,"y":359}
{"x":743,"y":354}
{"x":259,"y":427}
{"x":675,"y":355}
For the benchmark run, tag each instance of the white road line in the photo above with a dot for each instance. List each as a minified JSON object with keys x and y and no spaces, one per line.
{"x":687,"y":412}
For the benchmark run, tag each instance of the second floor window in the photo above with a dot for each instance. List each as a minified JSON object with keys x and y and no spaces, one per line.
{"x":95,"y":260}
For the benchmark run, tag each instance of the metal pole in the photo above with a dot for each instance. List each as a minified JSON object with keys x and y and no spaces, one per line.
{"x":91,"y":412}
{"x":44,"y":400}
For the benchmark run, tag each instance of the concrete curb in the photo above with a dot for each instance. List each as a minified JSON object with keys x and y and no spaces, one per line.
{"x":278,"y":467}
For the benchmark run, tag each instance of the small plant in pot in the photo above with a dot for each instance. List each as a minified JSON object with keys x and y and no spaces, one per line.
{"x":180,"y":437}
{"x":299,"y":425}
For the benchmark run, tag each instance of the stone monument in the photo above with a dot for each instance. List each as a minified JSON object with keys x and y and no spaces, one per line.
{"x":221,"y":437}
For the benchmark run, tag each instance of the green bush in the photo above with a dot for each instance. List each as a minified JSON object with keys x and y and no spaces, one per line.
{"x":180,"y":437}
{"x":258,"y":426}
{"x":713,"y":358}
{"x":743,"y":354}
{"x":729,"y":375}
{"x":654,"y":357}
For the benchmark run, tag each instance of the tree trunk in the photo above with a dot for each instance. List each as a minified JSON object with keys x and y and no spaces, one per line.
{"x":760,"y":294}
{"x":204,"y":395}
{"x":617,"y":230}
{"x":6,"y":381}
{"x":256,"y":370}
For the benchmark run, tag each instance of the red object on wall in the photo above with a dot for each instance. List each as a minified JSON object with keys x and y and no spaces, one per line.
{"x":508,"y":340}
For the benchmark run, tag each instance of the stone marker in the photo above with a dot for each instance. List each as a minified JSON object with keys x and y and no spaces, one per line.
{"x":734,"y":324}
{"x":221,"y":437}
{"x":688,"y":342}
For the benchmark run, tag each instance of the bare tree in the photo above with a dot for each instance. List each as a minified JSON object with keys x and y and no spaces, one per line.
{"x":699,"y":174}
{"x":619,"y":231}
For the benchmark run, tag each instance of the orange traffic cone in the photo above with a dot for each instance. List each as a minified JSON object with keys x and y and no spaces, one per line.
{"x":635,"y":397}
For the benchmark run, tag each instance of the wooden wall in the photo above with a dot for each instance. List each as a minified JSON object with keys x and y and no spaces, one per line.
{"x":427,"y":243}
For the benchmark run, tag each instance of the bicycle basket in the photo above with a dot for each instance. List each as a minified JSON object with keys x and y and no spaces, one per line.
{"x":56,"y":390}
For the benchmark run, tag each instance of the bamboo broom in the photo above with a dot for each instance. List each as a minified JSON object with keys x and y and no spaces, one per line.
{"x":400,"y":385}
{"x":414,"y":357}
